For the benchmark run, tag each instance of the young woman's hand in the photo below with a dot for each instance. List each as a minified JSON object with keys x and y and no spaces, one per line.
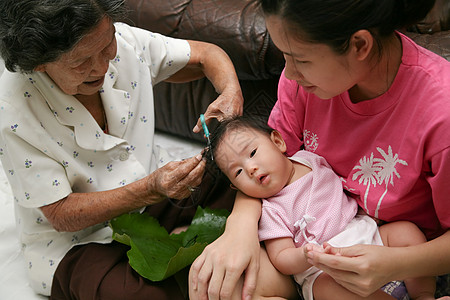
{"x":362,"y":269}
{"x":216,"y":272}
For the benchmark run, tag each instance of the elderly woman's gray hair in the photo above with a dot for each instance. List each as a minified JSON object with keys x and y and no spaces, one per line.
{"x":35,"y":32}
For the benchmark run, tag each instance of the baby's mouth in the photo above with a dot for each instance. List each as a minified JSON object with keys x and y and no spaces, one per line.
{"x":262,"y":178}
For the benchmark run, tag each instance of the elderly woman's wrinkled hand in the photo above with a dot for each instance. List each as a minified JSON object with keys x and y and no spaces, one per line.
{"x":227,"y":105}
{"x":177,"y":178}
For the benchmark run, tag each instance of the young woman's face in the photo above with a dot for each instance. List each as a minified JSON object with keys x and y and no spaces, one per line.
{"x":316,"y":67}
{"x":82,"y":70}
{"x":254,"y":162}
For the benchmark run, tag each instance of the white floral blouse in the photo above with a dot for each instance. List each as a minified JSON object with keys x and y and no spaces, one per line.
{"x":51,"y":146}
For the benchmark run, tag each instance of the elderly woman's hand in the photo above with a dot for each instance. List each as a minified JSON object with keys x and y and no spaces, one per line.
{"x":177,"y":178}
{"x":211,"y":61}
{"x":228,"y":104}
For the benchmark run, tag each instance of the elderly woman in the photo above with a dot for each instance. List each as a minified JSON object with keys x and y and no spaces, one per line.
{"x":76,"y":137}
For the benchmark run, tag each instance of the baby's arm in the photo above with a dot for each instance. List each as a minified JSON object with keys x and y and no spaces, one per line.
{"x":286,"y":257}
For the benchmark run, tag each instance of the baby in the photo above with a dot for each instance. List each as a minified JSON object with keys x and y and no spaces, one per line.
{"x":303,"y":202}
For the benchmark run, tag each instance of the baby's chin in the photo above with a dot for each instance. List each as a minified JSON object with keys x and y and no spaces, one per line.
{"x":261,"y":194}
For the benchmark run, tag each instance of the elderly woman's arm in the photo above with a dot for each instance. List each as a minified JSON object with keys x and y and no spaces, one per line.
{"x":211,"y":61}
{"x":81,"y":210}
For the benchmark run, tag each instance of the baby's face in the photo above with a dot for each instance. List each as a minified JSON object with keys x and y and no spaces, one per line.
{"x":254,"y":162}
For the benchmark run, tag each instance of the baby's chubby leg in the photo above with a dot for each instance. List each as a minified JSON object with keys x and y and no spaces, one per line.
{"x":326,"y":288}
{"x":404,"y":234}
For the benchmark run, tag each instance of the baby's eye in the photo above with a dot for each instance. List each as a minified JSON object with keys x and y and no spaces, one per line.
{"x":238,"y":172}
{"x":253,"y":153}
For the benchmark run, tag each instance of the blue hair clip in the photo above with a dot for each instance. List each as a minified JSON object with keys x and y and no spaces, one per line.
{"x":206,"y":131}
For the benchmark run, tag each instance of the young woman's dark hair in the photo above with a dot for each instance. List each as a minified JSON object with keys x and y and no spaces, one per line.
{"x":333,"y":22}
{"x":35,"y":32}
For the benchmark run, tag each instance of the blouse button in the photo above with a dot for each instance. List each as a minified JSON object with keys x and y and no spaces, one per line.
{"x":123,"y":156}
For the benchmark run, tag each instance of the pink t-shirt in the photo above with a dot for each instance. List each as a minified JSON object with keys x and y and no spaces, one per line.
{"x":393,"y":151}
{"x":313,"y":208}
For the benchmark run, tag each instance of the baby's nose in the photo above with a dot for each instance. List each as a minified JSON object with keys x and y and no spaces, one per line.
{"x":252,"y":169}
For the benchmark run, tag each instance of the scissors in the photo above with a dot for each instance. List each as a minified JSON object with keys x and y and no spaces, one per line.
{"x":206,"y":131}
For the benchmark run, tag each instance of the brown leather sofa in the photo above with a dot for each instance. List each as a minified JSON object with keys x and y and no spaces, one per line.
{"x":238,"y":27}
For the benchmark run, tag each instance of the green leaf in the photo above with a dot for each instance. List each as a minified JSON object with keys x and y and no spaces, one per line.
{"x":206,"y":226}
{"x":136,"y":225}
{"x":155,"y":254}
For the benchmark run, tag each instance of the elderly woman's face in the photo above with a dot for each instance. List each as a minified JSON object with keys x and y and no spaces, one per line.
{"x":82,"y":70}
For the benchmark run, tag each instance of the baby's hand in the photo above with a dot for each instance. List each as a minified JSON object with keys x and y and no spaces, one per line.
{"x":312,"y":247}
{"x":325,"y":248}
{"x":328,"y":249}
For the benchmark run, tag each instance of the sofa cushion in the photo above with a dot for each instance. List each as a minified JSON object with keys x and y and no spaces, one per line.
{"x":237,"y":26}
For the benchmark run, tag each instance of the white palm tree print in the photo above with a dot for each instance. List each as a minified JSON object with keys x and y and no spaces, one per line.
{"x":374,"y":171}
{"x":387,"y":172}
{"x":311,"y":140}
{"x":367,"y":175}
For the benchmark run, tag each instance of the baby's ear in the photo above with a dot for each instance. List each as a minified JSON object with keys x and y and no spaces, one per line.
{"x":278,"y":140}
{"x":233,"y":187}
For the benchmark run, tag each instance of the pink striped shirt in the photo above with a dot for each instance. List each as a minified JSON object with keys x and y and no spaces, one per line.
{"x":314,"y":208}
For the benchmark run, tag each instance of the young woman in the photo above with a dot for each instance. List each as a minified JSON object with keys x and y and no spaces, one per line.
{"x":375,"y":106}
{"x":76,"y":139}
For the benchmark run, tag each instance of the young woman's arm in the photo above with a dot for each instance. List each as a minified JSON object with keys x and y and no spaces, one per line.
{"x":363,"y":269}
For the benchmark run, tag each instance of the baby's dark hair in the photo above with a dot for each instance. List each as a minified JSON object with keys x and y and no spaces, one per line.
{"x":231,"y":125}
